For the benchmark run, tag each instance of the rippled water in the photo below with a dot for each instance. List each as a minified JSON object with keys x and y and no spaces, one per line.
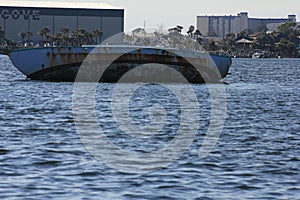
{"x":256,"y":157}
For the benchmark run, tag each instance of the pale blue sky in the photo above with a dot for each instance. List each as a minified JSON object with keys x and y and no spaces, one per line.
{"x":172,"y":12}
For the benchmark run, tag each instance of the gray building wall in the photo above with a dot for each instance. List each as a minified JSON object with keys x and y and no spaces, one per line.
{"x":16,"y":19}
{"x":215,"y":26}
{"x":203,"y":24}
{"x":254,"y":23}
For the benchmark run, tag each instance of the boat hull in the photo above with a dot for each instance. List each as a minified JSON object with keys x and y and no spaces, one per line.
{"x":63,"y":64}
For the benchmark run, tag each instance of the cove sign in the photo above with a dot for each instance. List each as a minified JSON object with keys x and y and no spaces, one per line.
{"x":20,"y":14}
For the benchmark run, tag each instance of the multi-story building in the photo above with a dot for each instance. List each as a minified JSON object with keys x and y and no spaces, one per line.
{"x":220,"y":26}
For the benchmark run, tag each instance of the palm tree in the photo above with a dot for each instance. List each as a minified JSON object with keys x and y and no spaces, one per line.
{"x":98,"y":34}
{"x":198,"y":33}
{"x":2,"y":33}
{"x":88,"y":38}
{"x":58,"y":38}
{"x":41,"y":33}
{"x":65,"y":36}
{"x":29,"y":35}
{"x":175,"y":30}
{"x":44,"y":32}
{"x":73,"y":40}
{"x":179,"y":28}
{"x":82,"y":36}
{"x":74,"y":37}
{"x":65,"y":31}
{"x":191,"y":30}
{"x":79,"y":36}
{"x":197,"y":36}
{"x":50,"y":38}
{"x":22,"y":35}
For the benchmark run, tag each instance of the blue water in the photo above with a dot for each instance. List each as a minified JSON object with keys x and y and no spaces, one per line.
{"x":256,"y":157}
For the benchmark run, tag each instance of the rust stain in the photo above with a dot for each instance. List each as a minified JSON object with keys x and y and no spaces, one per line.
{"x":66,"y":56}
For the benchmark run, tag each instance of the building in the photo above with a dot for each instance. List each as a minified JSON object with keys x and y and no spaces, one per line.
{"x":220,"y":26}
{"x":32,"y":16}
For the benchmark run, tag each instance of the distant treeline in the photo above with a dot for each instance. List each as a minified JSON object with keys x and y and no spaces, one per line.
{"x":283,"y":43}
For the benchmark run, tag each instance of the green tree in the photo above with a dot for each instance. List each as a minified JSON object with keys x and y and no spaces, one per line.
{"x":228,"y":43}
{"x":287,"y":48}
{"x":264,"y":41}
{"x":287,"y":28}
{"x":245,"y":33}
{"x":290,"y":30}
{"x":212,"y":46}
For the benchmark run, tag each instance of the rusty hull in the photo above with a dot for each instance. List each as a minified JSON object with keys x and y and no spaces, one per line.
{"x":63,"y":64}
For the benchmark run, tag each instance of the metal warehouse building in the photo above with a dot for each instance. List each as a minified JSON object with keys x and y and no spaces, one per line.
{"x":32,"y":16}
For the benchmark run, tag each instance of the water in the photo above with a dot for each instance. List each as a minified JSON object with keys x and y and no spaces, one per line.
{"x":256,"y":157}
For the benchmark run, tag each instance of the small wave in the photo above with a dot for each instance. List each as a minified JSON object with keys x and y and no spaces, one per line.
{"x":4,"y":151}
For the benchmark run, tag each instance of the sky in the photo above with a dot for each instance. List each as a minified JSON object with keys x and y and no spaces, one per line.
{"x":169,"y":13}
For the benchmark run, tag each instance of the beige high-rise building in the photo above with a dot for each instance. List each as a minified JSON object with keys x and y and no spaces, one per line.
{"x":220,"y":26}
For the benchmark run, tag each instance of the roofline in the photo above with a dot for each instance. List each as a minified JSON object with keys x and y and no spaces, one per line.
{"x":256,"y":18}
{"x":58,"y":4}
